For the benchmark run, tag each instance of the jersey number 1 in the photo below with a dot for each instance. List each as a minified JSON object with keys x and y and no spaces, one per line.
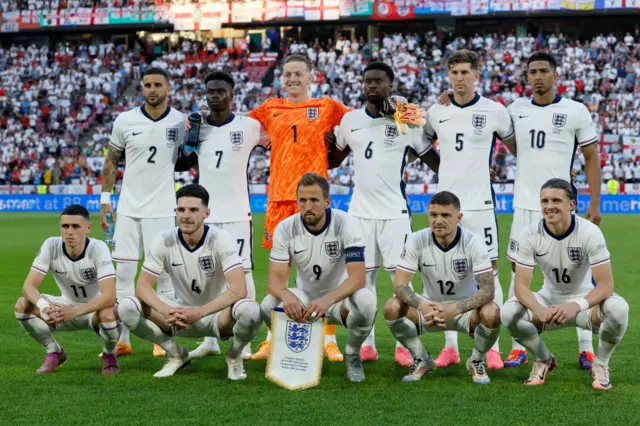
{"x":295,"y":133}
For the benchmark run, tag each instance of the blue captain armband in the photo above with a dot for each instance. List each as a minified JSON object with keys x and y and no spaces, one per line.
{"x":354,"y":254}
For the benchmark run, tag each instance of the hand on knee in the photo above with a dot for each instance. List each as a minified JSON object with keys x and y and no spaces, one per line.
{"x":392,"y":309}
{"x":490,"y":315}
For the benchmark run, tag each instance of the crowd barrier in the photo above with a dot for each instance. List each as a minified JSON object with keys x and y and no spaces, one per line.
{"x":609,"y":204}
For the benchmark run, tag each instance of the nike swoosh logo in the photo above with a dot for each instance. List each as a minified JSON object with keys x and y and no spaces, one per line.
{"x":299,"y":251}
{"x":60,"y":272}
{"x":176,"y":264}
{"x":355,"y":130}
{"x":542,"y":254}
{"x":523,"y":116}
{"x":275,"y":114}
{"x":442,"y":121}
{"x":136,"y":134}
{"x":426,"y":266}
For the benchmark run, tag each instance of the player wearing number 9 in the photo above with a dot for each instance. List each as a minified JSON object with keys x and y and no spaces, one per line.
{"x":209,"y":289}
{"x":149,"y":137}
{"x":458,"y":290}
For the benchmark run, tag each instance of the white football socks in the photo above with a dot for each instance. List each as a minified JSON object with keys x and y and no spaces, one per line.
{"x":39,"y":330}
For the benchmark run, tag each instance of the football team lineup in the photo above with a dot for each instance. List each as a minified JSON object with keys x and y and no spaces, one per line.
{"x":202,"y":269}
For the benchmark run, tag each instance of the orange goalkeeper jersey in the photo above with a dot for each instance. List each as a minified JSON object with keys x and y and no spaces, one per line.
{"x":297,"y":140}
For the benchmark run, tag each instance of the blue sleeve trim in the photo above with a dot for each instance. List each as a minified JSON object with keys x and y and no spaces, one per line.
{"x":354,"y":254}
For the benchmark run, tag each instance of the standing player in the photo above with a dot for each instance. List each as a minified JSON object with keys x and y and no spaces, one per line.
{"x":379,"y":202}
{"x":149,"y":137}
{"x":84,"y":274}
{"x":226,"y":143}
{"x":571,"y":252}
{"x":328,"y":251}
{"x":458,"y":289}
{"x":210,"y":291}
{"x":549,"y":130}
{"x":466,"y":132}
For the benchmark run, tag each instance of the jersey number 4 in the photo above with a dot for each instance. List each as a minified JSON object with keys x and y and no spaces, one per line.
{"x":195,"y":288}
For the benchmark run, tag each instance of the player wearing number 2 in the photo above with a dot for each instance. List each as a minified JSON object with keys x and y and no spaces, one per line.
{"x":549,"y":130}
{"x":149,"y":138}
{"x":466,"y":131}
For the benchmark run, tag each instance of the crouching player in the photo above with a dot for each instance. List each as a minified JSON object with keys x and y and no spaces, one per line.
{"x":210,"y":290}
{"x":573,"y":255}
{"x":457,"y":277}
{"x":327,"y":249}
{"x":82,"y":269}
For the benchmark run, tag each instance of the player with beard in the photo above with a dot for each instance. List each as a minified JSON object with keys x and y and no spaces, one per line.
{"x":379,"y":202}
{"x":149,"y":137}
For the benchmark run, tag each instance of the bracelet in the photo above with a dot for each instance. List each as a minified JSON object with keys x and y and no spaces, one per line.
{"x":105,"y":198}
{"x":42,"y":303}
{"x":584,"y":304}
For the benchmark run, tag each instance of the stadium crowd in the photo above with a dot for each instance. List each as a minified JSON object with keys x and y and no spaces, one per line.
{"x":43,"y":119}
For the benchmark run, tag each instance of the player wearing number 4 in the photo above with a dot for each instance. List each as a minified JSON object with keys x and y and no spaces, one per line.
{"x":226,"y":143}
{"x":571,"y":252}
{"x":82,"y":269}
{"x":458,"y":290}
{"x":327,"y":250}
{"x":467,"y":132}
{"x":209,"y":286}
{"x":149,"y":137}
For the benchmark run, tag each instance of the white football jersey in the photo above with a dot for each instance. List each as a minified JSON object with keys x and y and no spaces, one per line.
{"x":448,"y":274}
{"x":565,"y":261}
{"x":223,"y":157}
{"x":77,"y":278}
{"x":198,"y":274}
{"x":320,"y":257}
{"x":379,"y":155}
{"x":150,"y":149}
{"x":466,"y":135}
{"x":547,"y":138}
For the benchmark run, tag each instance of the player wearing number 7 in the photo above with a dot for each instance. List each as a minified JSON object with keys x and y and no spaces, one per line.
{"x":466,"y":132}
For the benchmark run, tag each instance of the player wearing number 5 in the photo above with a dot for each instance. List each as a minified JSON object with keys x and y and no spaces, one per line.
{"x":149,"y":138}
{"x":210,"y":292}
{"x":466,"y":131}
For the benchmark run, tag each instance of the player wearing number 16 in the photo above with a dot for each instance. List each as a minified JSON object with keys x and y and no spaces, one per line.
{"x":209,"y":289}
{"x":149,"y":137}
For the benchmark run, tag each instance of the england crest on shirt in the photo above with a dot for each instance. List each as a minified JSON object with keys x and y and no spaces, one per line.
{"x":298,"y":336}
{"x":575,"y":254}
{"x":460,"y":266}
{"x":312,"y":113}
{"x":332,"y":249}
{"x":206,"y":264}
{"x":172,"y":135}
{"x":236,"y":139}
{"x":478,"y":121}
{"x":88,"y":274}
{"x":559,"y":120}
{"x":390,"y":131}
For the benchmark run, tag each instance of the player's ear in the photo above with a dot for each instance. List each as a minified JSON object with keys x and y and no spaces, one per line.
{"x":207,"y":212}
{"x":328,"y":202}
{"x":460,"y":214}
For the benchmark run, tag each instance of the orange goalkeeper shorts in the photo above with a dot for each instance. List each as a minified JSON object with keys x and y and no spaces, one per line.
{"x":277,"y":211}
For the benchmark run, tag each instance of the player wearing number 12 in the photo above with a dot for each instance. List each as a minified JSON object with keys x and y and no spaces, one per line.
{"x":466,"y":131}
{"x":549,"y":130}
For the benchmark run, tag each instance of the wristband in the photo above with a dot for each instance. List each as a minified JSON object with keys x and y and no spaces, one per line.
{"x":105,"y":198}
{"x":42,"y":303}
{"x":584,"y":304}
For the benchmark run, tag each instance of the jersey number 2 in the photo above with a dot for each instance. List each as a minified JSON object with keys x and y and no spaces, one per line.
{"x":153,"y":151}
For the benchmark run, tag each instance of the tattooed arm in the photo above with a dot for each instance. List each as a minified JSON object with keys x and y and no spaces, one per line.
{"x":109,"y":173}
{"x":408,"y":296}
{"x":484,"y":295}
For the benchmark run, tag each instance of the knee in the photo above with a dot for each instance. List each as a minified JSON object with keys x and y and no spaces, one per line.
{"x":267,"y":305}
{"x":490,"y":315}
{"x":23,"y":306}
{"x":365,"y":303}
{"x":129,"y":310}
{"x":510,"y":312}
{"x":106,"y":315}
{"x":392,"y":309}
{"x":616,"y":310}
{"x":247,"y":311}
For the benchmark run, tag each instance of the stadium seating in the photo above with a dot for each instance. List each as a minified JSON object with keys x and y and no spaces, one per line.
{"x":603,"y":73}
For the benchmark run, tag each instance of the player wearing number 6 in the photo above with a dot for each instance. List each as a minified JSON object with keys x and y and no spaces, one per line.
{"x":466,"y":132}
{"x":210,"y":291}
{"x":571,"y":252}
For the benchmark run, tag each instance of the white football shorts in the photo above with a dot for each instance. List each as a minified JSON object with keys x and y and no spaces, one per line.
{"x":484,"y":224}
{"x":521,"y":219}
{"x":243,"y":233}
{"x":383,"y":238}
{"x":134,"y":236}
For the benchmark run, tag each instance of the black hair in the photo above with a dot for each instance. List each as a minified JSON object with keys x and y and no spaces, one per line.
{"x":381,"y":66}
{"x":445,"y":198}
{"x":220,"y":75}
{"x":156,"y":71}
{"x":562,"y":184}
{"x":194,"y":190}
{"x":310,"y":179}
{"x":75,"y":210}
{"x":543,"y":56}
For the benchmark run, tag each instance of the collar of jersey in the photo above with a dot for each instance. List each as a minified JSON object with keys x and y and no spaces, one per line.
{"x":473,"y":101}
{"x":454,"y":243}
{"x":366,"y":111}
{"x":200,"y":243}
{"x":164,"y":114}
{"x":557,"y":99}
{"x":227,"y":121}
{"x":563,"y":236}
{"x":64,"y":250}
{"x":327,"y":221}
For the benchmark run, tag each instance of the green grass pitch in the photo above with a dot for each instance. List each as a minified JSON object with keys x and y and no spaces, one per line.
{"x":78,"y":394}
